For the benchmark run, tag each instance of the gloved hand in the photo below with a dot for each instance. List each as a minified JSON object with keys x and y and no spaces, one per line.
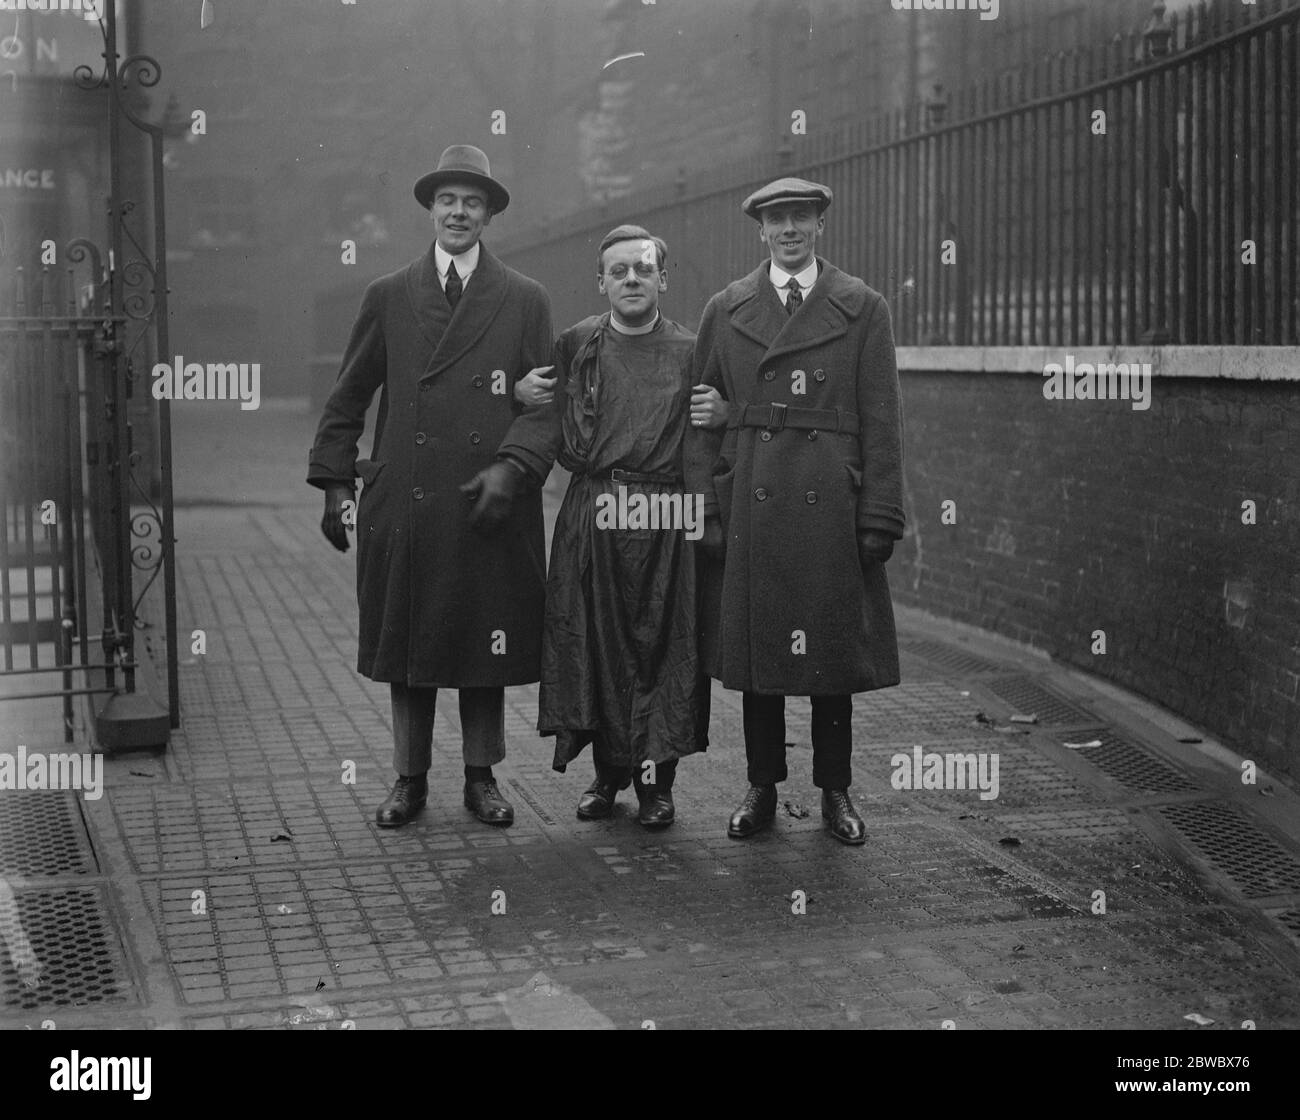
{"x":495,"y":488}
{"x":336,"y":532}
{"x":874,"y":547}
{"x":712,"y":541}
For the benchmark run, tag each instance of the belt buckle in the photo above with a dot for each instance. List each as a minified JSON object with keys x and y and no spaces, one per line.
{"x":618,"y":475}
{"x":776,"y":419}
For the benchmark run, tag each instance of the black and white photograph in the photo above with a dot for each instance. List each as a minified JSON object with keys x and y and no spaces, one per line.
{"x":650,"y":515}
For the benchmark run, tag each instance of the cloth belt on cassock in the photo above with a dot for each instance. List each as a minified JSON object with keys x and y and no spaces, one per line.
{"x":618,"y":474}
{"x":776,"y":416}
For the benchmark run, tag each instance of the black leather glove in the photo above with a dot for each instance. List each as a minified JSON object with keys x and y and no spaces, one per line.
{"x":712,"y":542}
{"x":336,"y":532}
{"x":495,"y":488}
{"x":874,"y":547}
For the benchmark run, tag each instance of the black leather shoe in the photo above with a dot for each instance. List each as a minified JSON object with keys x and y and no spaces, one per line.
{"x":756,"y":812}
{"x":846,"y":825}
{"x":487,"y":803}
{"x":407,"y":799}
{"x":597,"y":801}
{"x":657,"y":808}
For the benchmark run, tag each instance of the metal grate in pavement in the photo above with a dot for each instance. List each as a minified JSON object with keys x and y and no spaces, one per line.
{"x":912,"y":710}
{"x":62,"y":951}
{"x":959,"y":661}
{"x":1130,"y":764}
{"x":1288,"y":920}
{"x":1030,"y":698}
{"x":1252,"y":860}
{"x":41,"y":834}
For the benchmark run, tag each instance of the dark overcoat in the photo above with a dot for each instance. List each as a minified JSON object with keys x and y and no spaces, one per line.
{"x":799,"y":613}
{"x":439,"y":603}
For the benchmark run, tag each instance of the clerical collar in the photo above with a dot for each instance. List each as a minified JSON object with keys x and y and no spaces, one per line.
{"x":623,"y":328}
{"x":807,"y":278}
{"x":466,"y":262}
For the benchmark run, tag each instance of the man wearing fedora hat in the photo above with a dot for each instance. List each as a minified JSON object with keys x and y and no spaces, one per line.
{"x":803,"y":500}
{"x":450,"y":544}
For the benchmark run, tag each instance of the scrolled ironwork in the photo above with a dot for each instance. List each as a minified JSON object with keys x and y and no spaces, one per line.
{"x":85,"y":77}
{"x":137,"y":304}
{"x":148,"y":72}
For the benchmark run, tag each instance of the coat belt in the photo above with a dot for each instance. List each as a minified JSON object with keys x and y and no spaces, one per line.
{"x":776,"y":416}
{"x":617,"y":474}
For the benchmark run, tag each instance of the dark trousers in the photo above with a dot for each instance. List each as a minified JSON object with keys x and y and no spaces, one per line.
{"x":623,"y":776}
{"x":482,"y":727}
{"x":832,"y":739}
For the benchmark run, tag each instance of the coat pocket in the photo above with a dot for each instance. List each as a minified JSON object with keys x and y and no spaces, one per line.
{"x":368,"y":470}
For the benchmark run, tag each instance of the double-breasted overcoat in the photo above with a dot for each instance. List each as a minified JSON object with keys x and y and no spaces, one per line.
{"x":441,"y":604}
{"x":799,"y":612}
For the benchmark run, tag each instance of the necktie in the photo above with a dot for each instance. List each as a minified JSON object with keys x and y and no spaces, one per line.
{"x":795,"y":298}
{"x":454,"y":286}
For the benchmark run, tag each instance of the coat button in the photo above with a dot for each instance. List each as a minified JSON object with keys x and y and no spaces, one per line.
{"x":764,"y":436}
{"x":478,"y":382}
{"x":819,"y":375}
{"x":474,"y":437}
{"x":811,"y":497}
{"x":420,"y":437}
{"x":812,"y":434}
{"x":769,"y":375}
{"x":761,"y":494}
{"x":417,"y":493}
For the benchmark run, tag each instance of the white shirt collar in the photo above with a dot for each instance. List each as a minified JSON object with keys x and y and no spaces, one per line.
{"x":466,"y":262}
{"x":623,"y":328}
{"x":780,"y":278}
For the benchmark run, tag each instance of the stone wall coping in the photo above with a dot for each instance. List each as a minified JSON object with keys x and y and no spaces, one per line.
{"x":1238,"y":363}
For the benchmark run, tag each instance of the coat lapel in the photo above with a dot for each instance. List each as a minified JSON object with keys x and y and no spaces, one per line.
{"x":450,"y":333}
{"x":819,"y":320}
{"x":755,"y":308}
{"x":428,"y":303}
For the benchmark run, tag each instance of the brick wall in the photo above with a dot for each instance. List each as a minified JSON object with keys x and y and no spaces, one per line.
{"x":1075,"y":516}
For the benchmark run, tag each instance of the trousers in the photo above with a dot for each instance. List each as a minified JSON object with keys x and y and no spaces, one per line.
{"x":832,"y":740}
{"x":482,"y":727}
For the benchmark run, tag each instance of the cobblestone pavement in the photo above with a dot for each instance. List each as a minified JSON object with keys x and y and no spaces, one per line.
{"x":958,"y":911}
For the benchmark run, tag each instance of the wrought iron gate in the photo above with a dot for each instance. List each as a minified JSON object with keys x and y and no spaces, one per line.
{"x":87,"y":521}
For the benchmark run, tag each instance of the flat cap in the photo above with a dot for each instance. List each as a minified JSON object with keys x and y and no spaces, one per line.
{"x":787,"y":190}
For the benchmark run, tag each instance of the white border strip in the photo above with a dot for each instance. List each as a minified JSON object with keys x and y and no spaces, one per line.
{"x":1238,"y":363}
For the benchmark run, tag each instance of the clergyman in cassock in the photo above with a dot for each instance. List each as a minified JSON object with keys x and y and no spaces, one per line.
{"x":804,"y":500}
{"x":620,"y":663}
{"x":450,"y":539}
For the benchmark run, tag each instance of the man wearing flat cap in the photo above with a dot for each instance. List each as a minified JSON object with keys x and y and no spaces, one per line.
{"x":450,"y":544}
{"x":803,"y":501}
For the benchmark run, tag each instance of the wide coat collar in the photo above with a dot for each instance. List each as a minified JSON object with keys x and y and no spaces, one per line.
{"x":757,"y":312}
{"x":452,"y":334}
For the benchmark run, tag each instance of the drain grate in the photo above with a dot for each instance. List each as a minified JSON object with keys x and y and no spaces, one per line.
{"x":1255,"y":863}
{"x":947,"y":657}
{"x":1289,"y":920}
{"x":41,"y":834}
{"x":1028,"y":698}
{"x":1129,"y":764}
{"x":62,"y":951}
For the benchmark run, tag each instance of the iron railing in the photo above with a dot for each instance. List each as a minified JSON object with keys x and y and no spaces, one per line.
{"x":1059,"y":226}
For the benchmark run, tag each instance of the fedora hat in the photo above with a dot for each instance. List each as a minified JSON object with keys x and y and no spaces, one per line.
{"x":462,"y":163}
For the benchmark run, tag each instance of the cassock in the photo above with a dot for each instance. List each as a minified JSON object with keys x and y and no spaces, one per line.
{"x":620,"y":664}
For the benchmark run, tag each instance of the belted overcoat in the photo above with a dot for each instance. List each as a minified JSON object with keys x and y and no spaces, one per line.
{"x":799,"y":614}
{"x":439,"y":603}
